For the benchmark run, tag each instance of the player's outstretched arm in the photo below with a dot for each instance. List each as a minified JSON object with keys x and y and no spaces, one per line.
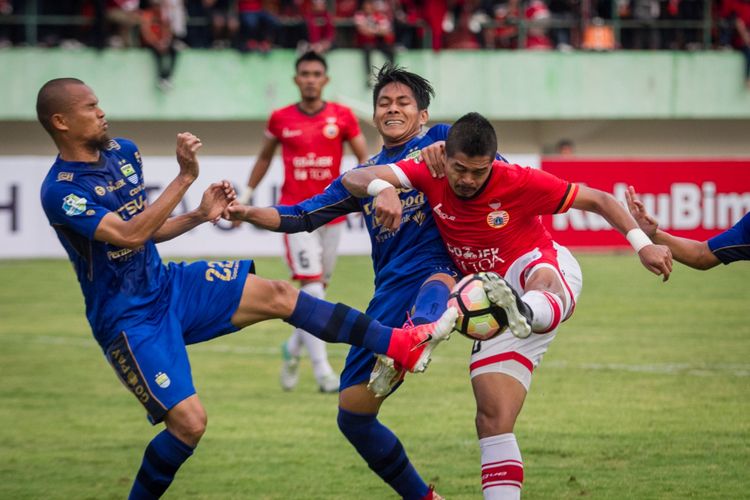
{"x":136,"y":231}
{"x":262,"y":217}
{"x":655,"y":258}
{"x":380,"y":182}
{"x":213,"y":203}
{"x":693,"y":253}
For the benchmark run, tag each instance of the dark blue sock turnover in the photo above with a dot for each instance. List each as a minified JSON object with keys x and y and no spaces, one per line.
{"x":339,"y":323}
{"x":163,"y":457}
{"x":430,"y":303}
{"x":383,"y":452}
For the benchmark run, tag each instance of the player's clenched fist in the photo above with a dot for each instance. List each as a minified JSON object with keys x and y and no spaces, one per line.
{"x":388,"y":209}
{"x":187,"y":154}
{"x":657,"y":259}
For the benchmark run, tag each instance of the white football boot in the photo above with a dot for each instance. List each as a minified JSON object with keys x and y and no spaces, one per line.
{"x":385,"y":375}
{"x":289,"y":375}
{"x":517,"y":312}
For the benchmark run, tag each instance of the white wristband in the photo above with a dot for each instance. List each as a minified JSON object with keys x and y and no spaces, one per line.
{"x":376,"y":186}
{"x":244,"y":197}
{"x":638,"y":239}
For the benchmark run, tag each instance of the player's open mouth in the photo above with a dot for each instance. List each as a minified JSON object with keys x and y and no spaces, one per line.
{"x":393,"y":122}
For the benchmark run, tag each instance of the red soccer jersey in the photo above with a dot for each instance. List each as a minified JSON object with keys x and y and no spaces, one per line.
{"x":311,"y":146}
{"x":498,"y":224}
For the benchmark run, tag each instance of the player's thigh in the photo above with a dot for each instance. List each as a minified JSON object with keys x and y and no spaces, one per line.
{"x":330,"y":236}
{"x":499,"y":399}
{"x":152,"y":363}
{"x":205,"y":295}
{"x":304,"y":256}
{"x":264,"y":299}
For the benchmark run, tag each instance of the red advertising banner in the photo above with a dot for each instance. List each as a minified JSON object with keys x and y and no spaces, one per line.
{"x":692,"y":197}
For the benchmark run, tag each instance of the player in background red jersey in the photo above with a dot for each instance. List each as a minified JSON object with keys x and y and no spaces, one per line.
{"x":487,"y":213}
{"x":312,"y":133}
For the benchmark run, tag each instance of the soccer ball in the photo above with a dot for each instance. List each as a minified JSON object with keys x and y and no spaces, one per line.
{"x":476,"y":318}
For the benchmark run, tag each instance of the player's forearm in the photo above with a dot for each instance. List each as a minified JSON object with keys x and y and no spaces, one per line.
{"x":608,"y":207}
{"x":356,"y":182}
{"x":144,"y":226}
{"x":259,"y":171}
{"x":177,"y":225}
{"x":692,"y":253}
{"x":262,"y":217}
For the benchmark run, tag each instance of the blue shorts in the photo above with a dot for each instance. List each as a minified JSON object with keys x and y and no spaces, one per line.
{"x":389,"y":306}
{"x":150,"y":357}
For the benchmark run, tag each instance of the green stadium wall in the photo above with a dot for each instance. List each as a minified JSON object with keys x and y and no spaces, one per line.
{"x":503,"y":85}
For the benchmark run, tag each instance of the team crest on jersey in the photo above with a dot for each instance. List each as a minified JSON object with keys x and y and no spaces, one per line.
{"x":414,"y":155}
{"x":330,"y":130}
{"x":497,"y":219}
{"x":73,"y":205}
{"x":162,"y":379}
{"x":129,"y":172}
{"x":65,"y":176}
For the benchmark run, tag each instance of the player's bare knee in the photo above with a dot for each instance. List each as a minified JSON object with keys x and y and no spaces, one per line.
{"x":282,"y":298}
{"x":494,"y":421}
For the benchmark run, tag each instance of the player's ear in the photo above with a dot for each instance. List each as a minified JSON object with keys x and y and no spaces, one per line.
{"x":59,"y":122}
{"x":424,"y":116}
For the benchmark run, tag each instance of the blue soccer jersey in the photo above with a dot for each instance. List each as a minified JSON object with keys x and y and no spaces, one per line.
{"x":406,"y":256}
{"x":117,"y":283}
{"x":734,"y":243}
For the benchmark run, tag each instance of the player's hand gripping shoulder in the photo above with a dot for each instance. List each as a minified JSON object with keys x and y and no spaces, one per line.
{"x":434,"y":157}
{"x":187,"y":155}
{"x":645,"y":221}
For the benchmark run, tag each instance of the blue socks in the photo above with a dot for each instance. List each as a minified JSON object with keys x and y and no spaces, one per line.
{"x":164,"y":455}
{"x":430,"y":302}
{"x":339,"y":323}
{"x":383,"y":452}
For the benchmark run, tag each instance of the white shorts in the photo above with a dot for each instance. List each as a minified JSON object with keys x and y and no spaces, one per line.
{"x":518,"y":357}
{"x":312,"y":256}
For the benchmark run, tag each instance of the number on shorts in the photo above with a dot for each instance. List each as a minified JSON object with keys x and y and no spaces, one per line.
{"x":303,"y":260}
{"x":224,"y":271}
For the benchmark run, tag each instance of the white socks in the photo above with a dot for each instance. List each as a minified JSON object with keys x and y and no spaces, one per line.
{"x":548,"y":310}
{"x":502,"y":467}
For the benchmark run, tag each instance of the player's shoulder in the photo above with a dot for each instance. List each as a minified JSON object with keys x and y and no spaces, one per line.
{"x":284,"y":112}
{"x":338,"y":107}
{"x":438,"y":132}
{"x":123,"y":148}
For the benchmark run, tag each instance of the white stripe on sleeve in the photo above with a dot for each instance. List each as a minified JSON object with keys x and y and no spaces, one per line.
{"x":402,"y":178}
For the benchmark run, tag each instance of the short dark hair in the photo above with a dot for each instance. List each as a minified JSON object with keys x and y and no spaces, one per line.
{"x":310,"y":55}
{"x":52,"y":99}
{"x":391,"y":73}
{"x":472,"y":135}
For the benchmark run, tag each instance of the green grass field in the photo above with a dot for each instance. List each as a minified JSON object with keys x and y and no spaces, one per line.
{"x":645,"y":393}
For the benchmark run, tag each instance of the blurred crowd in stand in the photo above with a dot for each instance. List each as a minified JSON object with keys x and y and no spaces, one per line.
{"x":387,"y":26}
